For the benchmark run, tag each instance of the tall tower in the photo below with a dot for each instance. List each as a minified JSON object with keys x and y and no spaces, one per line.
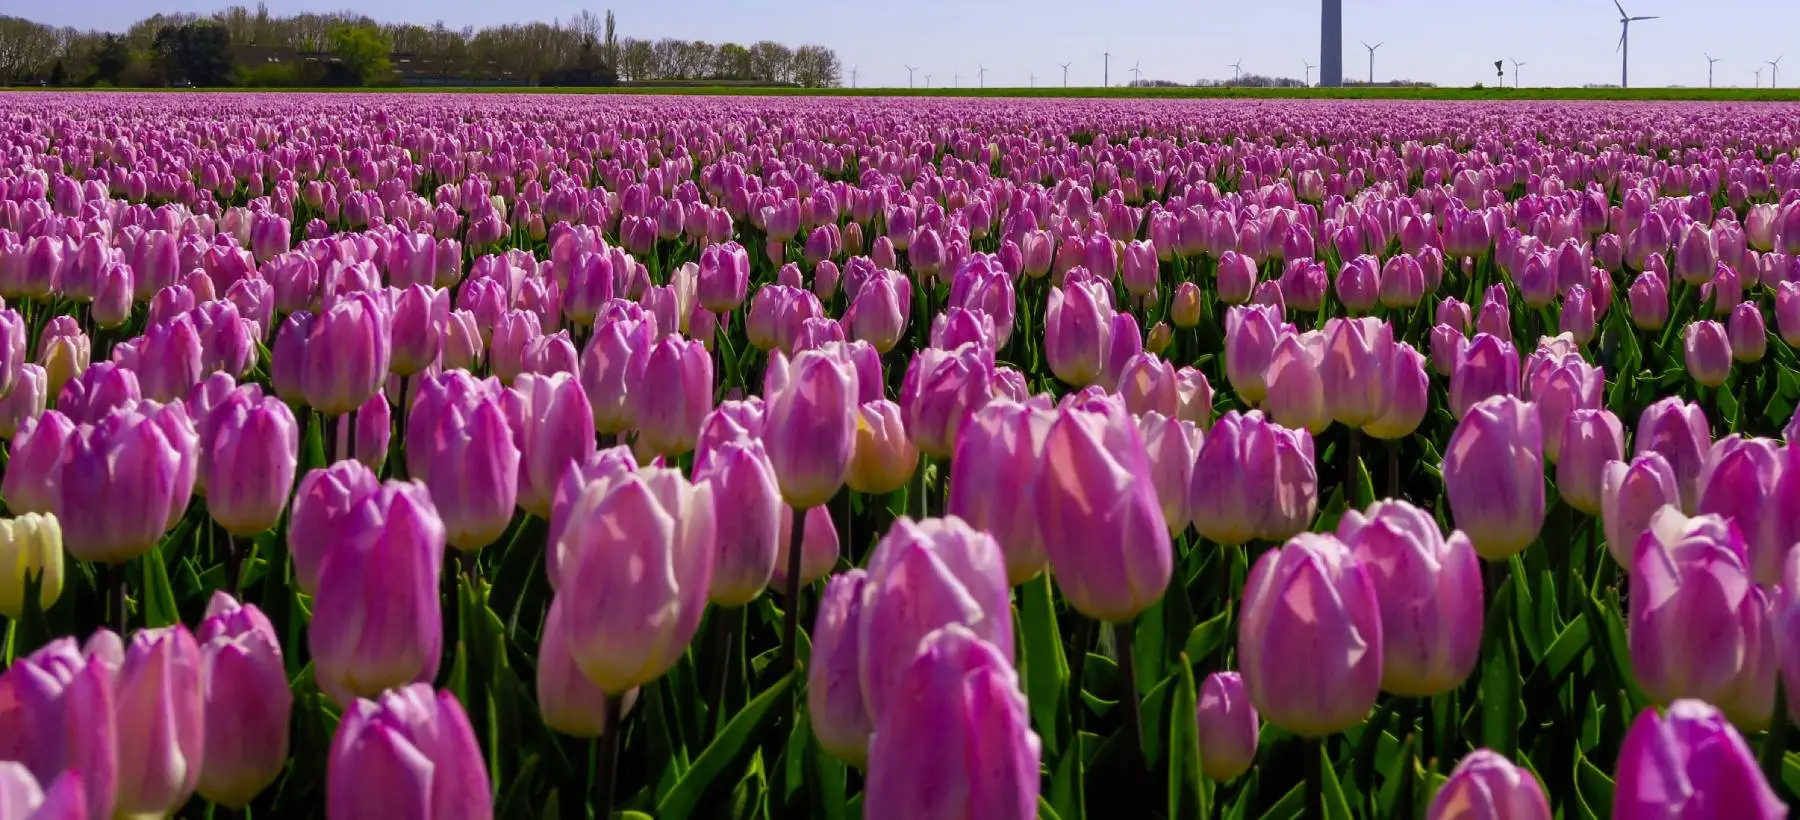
{"x":1331,"y":43}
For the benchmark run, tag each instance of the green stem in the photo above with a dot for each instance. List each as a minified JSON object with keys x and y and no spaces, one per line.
{"x":1134,"y":719}
{"x":791,"y":619}
{"x":1314,"y":757}
{"x":608,"y":766}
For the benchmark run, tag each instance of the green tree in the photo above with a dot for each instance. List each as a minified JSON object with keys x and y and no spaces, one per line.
{"x":363,"y":50}
{"x":110,"y":57}
{"x":198,"y":53}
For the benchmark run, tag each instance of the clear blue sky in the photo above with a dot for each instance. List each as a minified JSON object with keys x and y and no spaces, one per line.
{"x":1451,"y":42}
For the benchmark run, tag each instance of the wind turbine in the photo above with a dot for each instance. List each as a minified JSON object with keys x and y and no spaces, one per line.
{"x":1516,"y":66}
{"x":1137,"y":76}
{"x":1034,"y":79}
{"x":1371,"y":49}
{"x":1625,"y":21}
{"x":1710,"y":61}
{"x":1309,"y":68}
{"x":853,"y":71}
{"x":981,"y":74}
{"x":1756,"y":83}
{"x":1237,"y":70}
{"x":956,"y":80}
{"x":1106,"y":69}
{"x":909,"y":76}
{"x":1775,"y":72}
{"x":1065,"y":68}
{"x":927,"y":79}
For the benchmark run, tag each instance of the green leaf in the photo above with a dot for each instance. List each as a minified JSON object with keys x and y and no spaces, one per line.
{"x":1500,"y":687}
{"x":1567,"y":648}
{"x":1067,"y":792}
{"x":1186,"y":787}
{"x":1524,"y":610}
{"x":1595,"y":787}
{"x":1336,"y":807}
{"x":1397,"y":793}
{"x":680,"y":802}
{"x":1045,"y":812}
{"x":1365,"y":485}
{"x":1046,"y":669}
{"x":159,"y":597}
{"x":1208,"y":637}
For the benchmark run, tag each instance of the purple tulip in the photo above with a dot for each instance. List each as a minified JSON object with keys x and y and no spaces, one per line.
{"x":834,"y":698}
{"x":674,"y":396}
{"x":170,"y":359}
{"x":118,"y":482}
{"x":1310,"y":637}
{"x":1699,"y":628}
{"x":248,"y":458}
{"x":1747,"y":333}
{"x":20,"y":795}
{"x":471,"y":466}
{"x":1296,"y":387}
{"x":1592,"y":439}
{"x":1494,"y":476}
{"x":1488,"y":367}
{"x":1099,"y":516}
{"x":884,"y":457}
{"x":160,"y":708}
{"x":1708,"y":353}
{"x":636,"y":566}
{"x":942,"y":389}
{"x":1787,"y":312}
{"x":810,"y":428}
{"x":748,"y":508}
{"x":1228,"y":727}
{"x":376,"y":622}
{"x":1679,"y":432}
{"x":1172,"y":446}
{"x":1002,"y":439}
{"x":1251,"y":335}
{"x":552,"y":425}
{"x":923,"y":576}
{"x":410,"y":753}
{"x":347,"y":354}
{"x":569,"y":702}
{"x":1077,"y":331}
{"x":1254,"y":479}
{"x":819,"y":547}
{"x":421,"y":316}
{"x":39,"y":449}
{"x":1487,"y":785}
{"x":1351,"y":369}
{"x":1429,"y":590}
{"x":1738,"y":482}
{"x":1406,"y":394}
{"x":57,"y":714}
{"x":247,"y":702}
{"x":1690,"y":758}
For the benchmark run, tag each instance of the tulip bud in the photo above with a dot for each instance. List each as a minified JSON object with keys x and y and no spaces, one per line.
{"x":347,"y":354}
{"x":118,"y":483}
{"x":1592,"y":439}
{"x":1679,"y":432}
{"x":248,"y":703}
{"x":1406,"y":394}
{"x":1649,"y":300}
{"x":1485,"y":784}
{"x":20,"y":795}
{"x":1738,"y":482}
{"x":623,"y":632}
{"x":1630,"y":495}
{"x":1429,"y":590}
{"x":26,"y":401}
{"x":160,"y":709}
{"x":376,"y":622}
{"x":248,"y":460}
{"x":1254,"y":479}
{"x":1090,"y":491}
{"x":1748,"y":335}
{"x":1694,"y":755}
{"x":1350,"y":369}
{"x":834,"y":697}
{"x":421,"y":315}
{"x":57,"y":715}
{"x":569,"y":702}
{"x":31,"y":550}
{"x":1296,"y":389}
{"x":1787,"y":312}
{"x":1228,"y":727}
{"x":674,"y":397}
{"x":819,"y":547}
{"x":884,"y":457}
{"x":748,"y":506}
{"x":964,"y":704}
{"x":1310,"y":605}
{"x":552,"y":425}
{"x":1002,"y":440}
{"x":1077,"y":327}
{"x":1494,"y":476}
{"x":409,"y":753}
{"x":1185,"y":310}
{"x":1708,"y":353}
{"x":1251,"y":335}
{"x":471,"y":467}
{"x":1172,"y":446}
{"x":810,"y":429}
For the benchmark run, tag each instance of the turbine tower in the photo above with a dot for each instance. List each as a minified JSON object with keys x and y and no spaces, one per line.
{"x":1331,"y":43}
{"x":1710,"y":62}
{"x":927,"y":79}
{"x":1106,"y":69}
{"x":1137,"y":76}
{"x":853,"y":71}
{"x":1516,"y":66}
{"x":1034,"y":79}
{"x":1065,"y":68}
{"x":1309,"y":67}
{"x":909,"y":76}
{"x":1757,"y":82}
{"x":1775,"y":72}
{"x":981,"y":74}
{"x":1371,"y":49}
{"x":1237,"y":70}
{"x":1625,"y":21}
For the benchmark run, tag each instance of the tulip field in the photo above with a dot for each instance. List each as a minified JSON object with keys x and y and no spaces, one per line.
{"x":449,"y":457}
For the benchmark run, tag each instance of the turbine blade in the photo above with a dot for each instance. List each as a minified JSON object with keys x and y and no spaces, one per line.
{"x":1620,"y":8}
{"x":1652,"y":17}
{"x":1621,"y":46}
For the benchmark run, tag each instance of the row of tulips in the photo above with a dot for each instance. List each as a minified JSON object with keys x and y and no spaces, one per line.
{"x":798,"y":459}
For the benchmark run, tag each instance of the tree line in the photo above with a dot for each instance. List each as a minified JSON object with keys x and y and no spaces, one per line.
{"x":243,"y":46}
